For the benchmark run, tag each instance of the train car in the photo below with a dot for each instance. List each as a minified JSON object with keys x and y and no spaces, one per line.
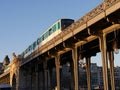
{"x":54,"y":30}
{"x":50,"y":33}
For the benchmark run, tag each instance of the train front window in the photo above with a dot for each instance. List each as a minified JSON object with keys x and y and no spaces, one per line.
{"x":65,"y":23}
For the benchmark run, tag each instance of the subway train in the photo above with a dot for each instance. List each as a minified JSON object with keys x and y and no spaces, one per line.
{"x":50,"y":33}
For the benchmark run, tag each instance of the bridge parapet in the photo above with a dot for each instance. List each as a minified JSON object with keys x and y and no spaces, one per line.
{"x":108,"y":3}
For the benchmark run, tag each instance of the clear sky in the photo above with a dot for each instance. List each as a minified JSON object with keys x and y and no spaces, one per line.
{"x":22,"y":21}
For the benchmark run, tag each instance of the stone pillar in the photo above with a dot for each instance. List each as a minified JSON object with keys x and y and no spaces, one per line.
{"x":26,"y":80}
{"x":34,"y":81}
{"x":41,"y":80}
{"x":57,"y":63}
{"x":17,"y":82}
{"x":88,"y":73}
{"x":45,"y":75}
{"x":31,"y":80}
{"x":72,"y":76}
{"x":111,"y":61}
{"x":50,"y":75}
{"x":37,"y":77}
{"x":23,"y":75}
{"x":75,"y":62}
{"x":103,"y":49}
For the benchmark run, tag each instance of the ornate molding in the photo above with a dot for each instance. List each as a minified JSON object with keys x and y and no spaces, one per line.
{"x":109,"y":3}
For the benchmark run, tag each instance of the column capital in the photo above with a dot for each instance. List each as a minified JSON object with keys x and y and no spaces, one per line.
{"x":95,"y":33}
{"x":57,"y":60}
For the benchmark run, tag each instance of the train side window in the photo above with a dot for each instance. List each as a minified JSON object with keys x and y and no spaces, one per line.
{"x":42,"y":37}
{"x":54,"y":27}
{"x":29,"y":48}
{"x":34,"y":45}
{"x":46,"y":34}
{"x":58,"y":25}
{"x":38,"y":40}
{"x":50,"y":31}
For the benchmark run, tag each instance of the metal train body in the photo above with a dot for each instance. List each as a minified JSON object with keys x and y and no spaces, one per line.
{"x":50,"y":33}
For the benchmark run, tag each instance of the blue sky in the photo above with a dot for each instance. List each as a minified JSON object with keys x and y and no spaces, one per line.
{"x":22,"y":21}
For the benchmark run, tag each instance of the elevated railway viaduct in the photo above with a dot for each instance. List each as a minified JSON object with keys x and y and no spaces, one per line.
{"x":97,"y":31}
